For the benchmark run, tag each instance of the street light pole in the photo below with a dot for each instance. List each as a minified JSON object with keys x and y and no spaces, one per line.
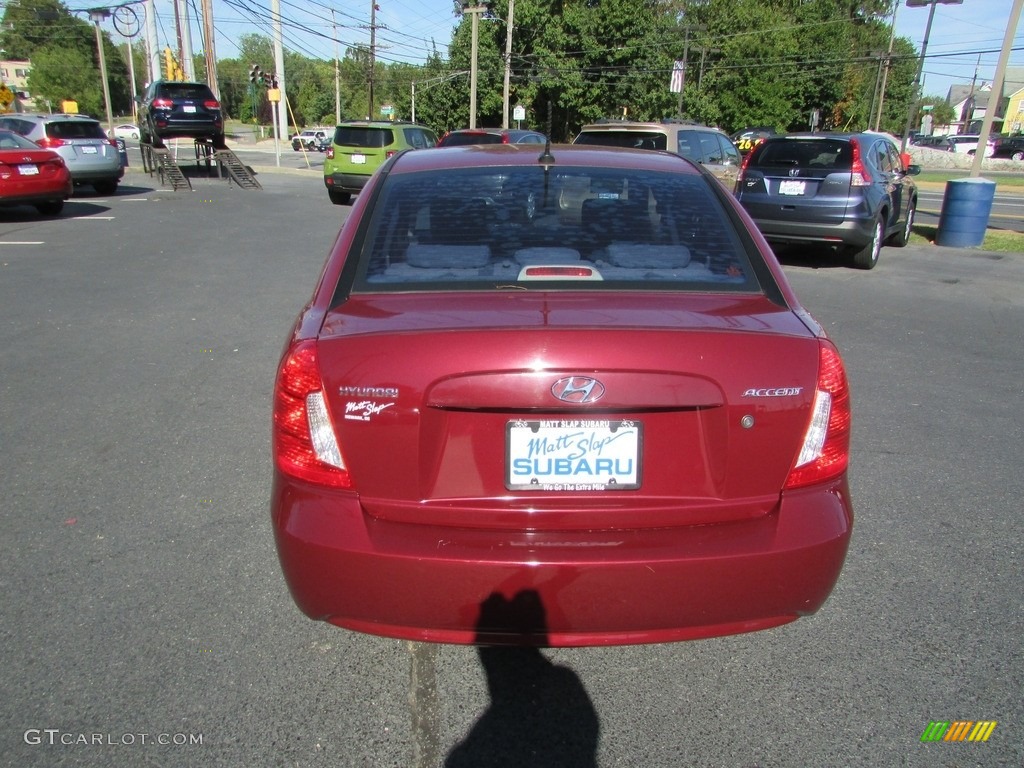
{"x":915,"y":96}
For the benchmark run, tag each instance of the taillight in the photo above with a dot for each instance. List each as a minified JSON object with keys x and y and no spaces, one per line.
{"x":211,"y":104}
{"x":162,"y":103}
{"x":48,"y":142}
{"x":113,"y":143}
{"x":743,"y":165}
{"x":389,"y":152}
{"x":859,"y":176}
{"x":825,"y":453}
{"x":304,"y":444}
{"x":330,"y":152}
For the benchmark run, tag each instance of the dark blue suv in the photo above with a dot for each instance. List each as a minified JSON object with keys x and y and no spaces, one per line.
{"x":850,"y":191}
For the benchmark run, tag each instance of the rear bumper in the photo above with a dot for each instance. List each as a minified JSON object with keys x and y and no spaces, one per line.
{"x":346,"y":182}
{"x":25,"y":194}
{"x":105,"y":173}
{"x":188,"y":129}
{"x":437,"y":584}
{"x":850,"y":232}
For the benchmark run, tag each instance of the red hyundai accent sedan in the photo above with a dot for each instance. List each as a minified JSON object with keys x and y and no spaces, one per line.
{"x":557,"y":396}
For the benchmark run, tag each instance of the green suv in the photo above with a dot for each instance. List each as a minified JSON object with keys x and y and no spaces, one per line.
{"x":359,"y":148}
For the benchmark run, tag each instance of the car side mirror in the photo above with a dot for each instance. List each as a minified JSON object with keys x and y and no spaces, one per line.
{"x":913,"y":170}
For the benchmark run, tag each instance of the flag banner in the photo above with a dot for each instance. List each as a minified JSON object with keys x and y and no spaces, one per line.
{"x":676,"y":83}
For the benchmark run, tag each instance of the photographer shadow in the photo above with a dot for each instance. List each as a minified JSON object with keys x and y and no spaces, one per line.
{"x":540,"y":715}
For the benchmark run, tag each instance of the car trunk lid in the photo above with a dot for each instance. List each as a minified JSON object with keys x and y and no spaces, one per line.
{"x":708,"y":404}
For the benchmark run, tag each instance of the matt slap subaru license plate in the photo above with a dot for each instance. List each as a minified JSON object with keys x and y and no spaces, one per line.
{"x":572,"y":455}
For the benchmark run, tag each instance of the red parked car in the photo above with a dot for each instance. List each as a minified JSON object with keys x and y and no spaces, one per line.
{"x":557,"y":396}
{"x":31,"y":175}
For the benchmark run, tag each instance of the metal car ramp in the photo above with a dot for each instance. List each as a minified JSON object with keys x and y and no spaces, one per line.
{"x":161,"y":161}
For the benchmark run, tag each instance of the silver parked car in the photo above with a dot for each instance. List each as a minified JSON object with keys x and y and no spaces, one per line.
{"x":89,"y":154}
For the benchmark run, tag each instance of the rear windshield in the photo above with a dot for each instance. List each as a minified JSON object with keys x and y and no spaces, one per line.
{"x":11,"y":140}
{"x":186,"y":91}
{"x":74,"y":129}
{"x":827,"y":154}
{"x":570,"y":228}
{"x":628,"y":139}
{"x":462,"y":139}
{"x":359,"y":136}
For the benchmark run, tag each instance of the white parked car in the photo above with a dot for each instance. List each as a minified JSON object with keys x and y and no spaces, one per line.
{"x":126,"y":131}
{"x":968,"y":143}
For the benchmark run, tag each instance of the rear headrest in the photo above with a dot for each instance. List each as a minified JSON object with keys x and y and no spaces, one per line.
{"x":640,"y":256}
{"x":444,"y":256}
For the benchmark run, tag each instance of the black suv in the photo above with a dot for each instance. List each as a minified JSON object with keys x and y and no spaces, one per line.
{"x":1009,"y":146}
{"x":170,"y":109}
{"x":849,"y":191}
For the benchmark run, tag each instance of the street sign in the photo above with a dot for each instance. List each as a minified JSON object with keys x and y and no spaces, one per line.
{"x":387,"y":109}
{"x":519,"y":112}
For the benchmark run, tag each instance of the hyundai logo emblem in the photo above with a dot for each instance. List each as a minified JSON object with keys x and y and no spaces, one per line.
{"x":578,"y":389}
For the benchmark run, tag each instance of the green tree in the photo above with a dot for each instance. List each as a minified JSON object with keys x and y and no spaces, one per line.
{"x":942,"y":113}
{"x":60,"y":74}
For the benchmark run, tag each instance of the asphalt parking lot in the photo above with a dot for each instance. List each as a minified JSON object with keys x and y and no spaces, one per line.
{"x":145,"y":621}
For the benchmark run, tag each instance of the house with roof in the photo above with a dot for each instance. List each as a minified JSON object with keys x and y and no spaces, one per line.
{"x":14,"y":75}
{"x":971,"y":101}
{"x":1013,"y":92}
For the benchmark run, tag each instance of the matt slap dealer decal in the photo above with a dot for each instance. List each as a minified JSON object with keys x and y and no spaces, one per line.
{"x":364,"y":410}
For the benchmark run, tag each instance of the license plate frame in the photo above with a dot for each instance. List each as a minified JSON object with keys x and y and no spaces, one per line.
{"x":794,"y":187}
{"x":28,"y":169}
{"x":573,"y":454}
{"x":358,"y":159}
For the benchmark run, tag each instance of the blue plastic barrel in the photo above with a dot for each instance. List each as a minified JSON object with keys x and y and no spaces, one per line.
{"x":966,"y":207}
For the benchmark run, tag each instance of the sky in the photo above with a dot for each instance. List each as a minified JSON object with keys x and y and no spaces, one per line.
{"x":965,"y":39}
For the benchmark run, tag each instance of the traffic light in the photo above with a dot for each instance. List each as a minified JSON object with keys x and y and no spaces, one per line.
{"x":172,"y":70}
{"x":256,"y":75}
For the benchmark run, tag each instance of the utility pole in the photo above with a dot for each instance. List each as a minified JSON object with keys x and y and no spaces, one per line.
{"x":282,"y":114}
{"x":474,"y":12}
{"x":337,"y":72}
{"x":888,"y":66}
{"x":209,"y":50}
{"x":188,"y":65}
{"x":506,"y":89}
{"x":373,"y":54}
{"x":152,"y":47}
{"x":995,"y":95}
